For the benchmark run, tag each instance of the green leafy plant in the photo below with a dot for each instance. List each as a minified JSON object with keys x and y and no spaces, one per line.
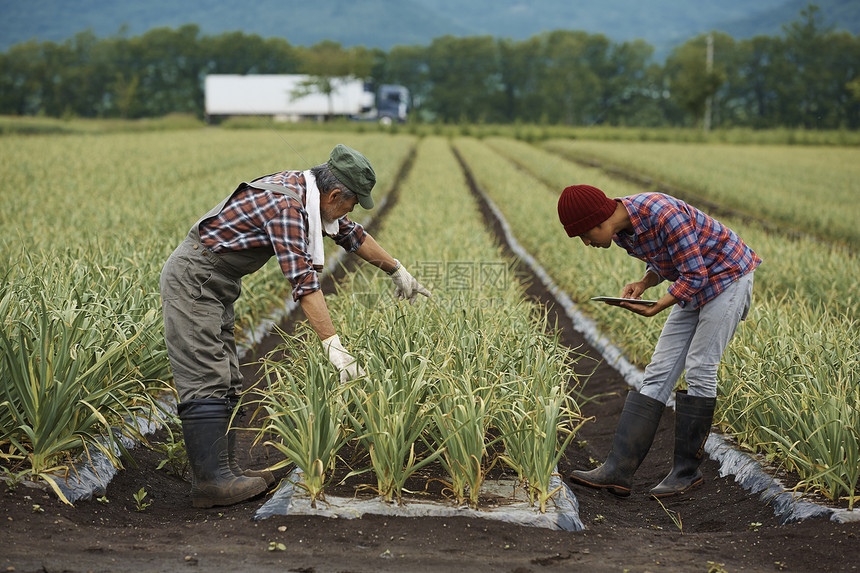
{"x":388,"y":413}
{"x":140,"y":500}
{"x":173,"y":450}
{"x":459,"y":429}
{"x":304,"y":413}
{"x":13,"y":478}
{"x":531,"y":427}
{"x":66,"y":386}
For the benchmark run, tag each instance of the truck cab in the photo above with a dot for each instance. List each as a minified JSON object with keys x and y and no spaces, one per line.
{"x":392,"y":103}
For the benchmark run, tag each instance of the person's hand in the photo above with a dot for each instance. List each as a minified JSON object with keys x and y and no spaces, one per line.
{"x":646,"y":310}
{"x":406,"y":287}
{"x":633,"y":290}
{"x":345,"y":362}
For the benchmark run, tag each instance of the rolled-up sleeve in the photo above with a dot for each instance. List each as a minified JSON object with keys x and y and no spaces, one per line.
{"x":289,"y":240}
{"x":350,"y":235}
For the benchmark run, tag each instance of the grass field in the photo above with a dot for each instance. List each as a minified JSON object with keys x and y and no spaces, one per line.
{"x":89,"y":218}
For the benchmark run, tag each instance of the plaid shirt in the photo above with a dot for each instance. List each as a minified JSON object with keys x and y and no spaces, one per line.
{"x":681,"y":244}
{"x":255,"y":218}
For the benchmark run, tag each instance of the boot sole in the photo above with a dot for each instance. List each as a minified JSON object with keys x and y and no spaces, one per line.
{"x":678,"y":492}
{"x":207,"y":502}
{"x":615,"y":490}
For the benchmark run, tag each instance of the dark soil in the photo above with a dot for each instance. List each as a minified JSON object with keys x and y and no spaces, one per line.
{"x":722,"y":527}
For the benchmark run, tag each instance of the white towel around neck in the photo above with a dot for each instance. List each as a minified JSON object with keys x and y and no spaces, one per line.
{"x":316,"y":224}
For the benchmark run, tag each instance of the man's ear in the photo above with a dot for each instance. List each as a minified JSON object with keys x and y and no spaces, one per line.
{"x":331,"y":197}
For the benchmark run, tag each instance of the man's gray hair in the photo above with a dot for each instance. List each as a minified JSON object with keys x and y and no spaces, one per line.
{"x":327,"y":182}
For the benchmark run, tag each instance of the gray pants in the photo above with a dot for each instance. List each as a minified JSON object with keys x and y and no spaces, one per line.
{"x":694,"y":340}
{"x":197,"y":296}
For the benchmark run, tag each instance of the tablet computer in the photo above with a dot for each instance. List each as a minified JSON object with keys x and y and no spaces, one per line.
{"x":613,"y":299}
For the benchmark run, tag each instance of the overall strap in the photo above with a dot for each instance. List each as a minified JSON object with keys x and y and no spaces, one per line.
{"x":195,"y":230}
{"x":276,"y":189}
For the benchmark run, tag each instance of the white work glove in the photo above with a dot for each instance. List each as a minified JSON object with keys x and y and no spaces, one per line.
{"x":345,"y":362}
{"x":406,"y":287}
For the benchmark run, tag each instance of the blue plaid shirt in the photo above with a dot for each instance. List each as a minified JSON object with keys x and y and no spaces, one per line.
{"x":681,"y":244}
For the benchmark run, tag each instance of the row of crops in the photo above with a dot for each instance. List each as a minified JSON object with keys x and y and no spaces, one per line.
{"x":89,"y":221}
{"x":447,"y":378}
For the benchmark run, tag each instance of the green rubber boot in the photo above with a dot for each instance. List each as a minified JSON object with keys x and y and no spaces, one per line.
{"x":693,"y":418}
{"x":204,"y":427}
{"x":633,"y":439}
{"x":233,"y":402}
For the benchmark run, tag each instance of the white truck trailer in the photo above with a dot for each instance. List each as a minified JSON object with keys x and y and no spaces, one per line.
{"x":290,"y":97}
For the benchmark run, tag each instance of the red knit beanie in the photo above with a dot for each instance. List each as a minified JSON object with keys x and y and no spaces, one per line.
{"x":583,"y":207}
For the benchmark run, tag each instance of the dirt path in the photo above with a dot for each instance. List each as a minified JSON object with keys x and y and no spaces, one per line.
{"x":722,"y":527}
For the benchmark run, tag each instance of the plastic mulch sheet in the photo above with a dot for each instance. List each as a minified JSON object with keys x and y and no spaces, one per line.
{"x":510,"y":505}
{"x":788,"y":506}
{"x":90,"y":476}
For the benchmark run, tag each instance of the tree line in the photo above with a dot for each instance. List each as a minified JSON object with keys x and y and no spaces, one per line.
{"x":807,"y":77}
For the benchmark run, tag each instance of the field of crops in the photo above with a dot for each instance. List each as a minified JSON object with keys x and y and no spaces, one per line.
{"x":807,"y":189}
{"x":89,"y":222}
{"x":789,"y":382}
{"x":81,"y":340}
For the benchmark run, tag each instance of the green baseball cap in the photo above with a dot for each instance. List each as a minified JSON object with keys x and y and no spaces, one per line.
{"x":353,"y":170}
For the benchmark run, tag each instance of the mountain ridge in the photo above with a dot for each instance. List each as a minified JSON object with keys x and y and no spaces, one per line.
{"x":384,"y":24}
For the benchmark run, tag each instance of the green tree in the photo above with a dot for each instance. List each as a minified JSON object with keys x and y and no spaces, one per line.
{"x":799,"y":80}
{"x":631,"y":86}
{"x":520,"y":64}
{"x":845,"y":55}
{"x":66,"y":91}
{"x":854,"y":88}
{"x":240,"y":53}
{"x":761,"y":74}
{"x":806,"y":49}
{"x":465,"y":78}
{"x":167,"y":64}
{"x":23,"y":75}
{"x":691,"y":83}
{"x":814,"y":85}
{"x":571,"y":82}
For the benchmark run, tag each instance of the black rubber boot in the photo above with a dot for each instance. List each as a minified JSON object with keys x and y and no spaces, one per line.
{"x":204,"y":427}
{"x":233,"y":402}
{"x":693,"y":418}
{"x":633,"y":439}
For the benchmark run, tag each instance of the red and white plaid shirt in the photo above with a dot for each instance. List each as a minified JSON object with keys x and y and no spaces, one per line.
{"x":681,"y":244}
{"x":254,"y":218}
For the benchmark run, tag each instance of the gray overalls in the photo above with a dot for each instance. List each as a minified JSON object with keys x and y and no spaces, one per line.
{"x":198,"y":289}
